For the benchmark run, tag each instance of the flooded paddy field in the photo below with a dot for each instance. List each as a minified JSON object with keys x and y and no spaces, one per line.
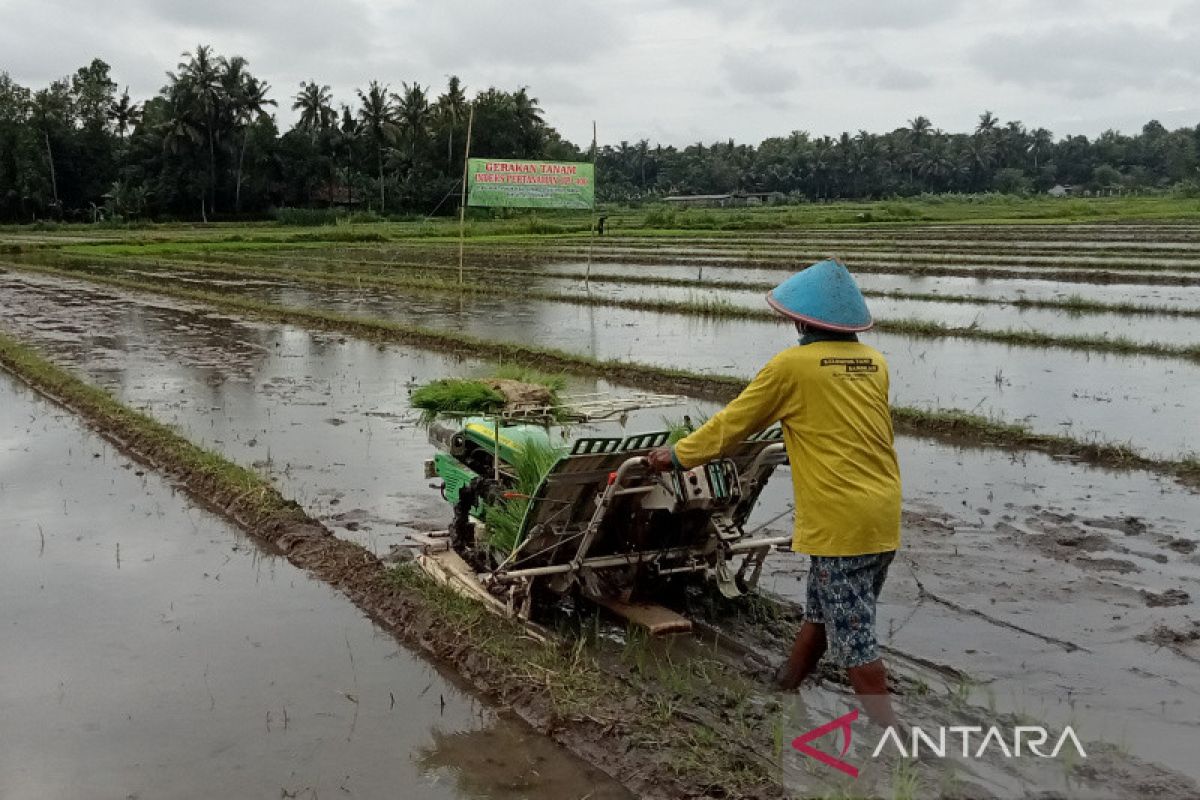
{"x":794,"y":259}
{"x":151,"y":650}
{"x":1022,"y":308}
{"x":1135,"y":399}
{"x":1059,"y":555}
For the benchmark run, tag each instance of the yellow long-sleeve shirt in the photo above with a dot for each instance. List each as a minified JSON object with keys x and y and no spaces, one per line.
{"x":831,"y":398}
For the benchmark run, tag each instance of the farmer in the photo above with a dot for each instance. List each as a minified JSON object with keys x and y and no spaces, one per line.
{"x":830,"y":394}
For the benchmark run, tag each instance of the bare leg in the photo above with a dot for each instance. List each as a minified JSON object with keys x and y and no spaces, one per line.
{"x":870,"y":684}
{"x":806,"y":654}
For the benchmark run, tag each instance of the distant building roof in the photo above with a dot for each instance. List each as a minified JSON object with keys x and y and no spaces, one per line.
{"x":699,"y":197}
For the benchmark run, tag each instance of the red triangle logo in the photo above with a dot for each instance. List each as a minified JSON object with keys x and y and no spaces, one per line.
{"x":842,"y":723}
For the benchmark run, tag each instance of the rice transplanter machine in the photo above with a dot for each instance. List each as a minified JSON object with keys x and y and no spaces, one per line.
{"x":540,"y":518}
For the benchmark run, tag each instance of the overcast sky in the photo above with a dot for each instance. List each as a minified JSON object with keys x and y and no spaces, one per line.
{"x":674,"y":71}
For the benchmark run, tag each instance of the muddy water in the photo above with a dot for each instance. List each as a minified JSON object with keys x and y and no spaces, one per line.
{"x":152,"y":651}
{"x":1033,"y":289}
{"x":676,"y":253}
{"x":919,"y":242}
{"x":1147,"y":328}
{"x":1141,"y":400}
{"x":701,"y":273}
{"x":998,"y":317}
{"x":558,"y":275}
{"x":215,"y":378}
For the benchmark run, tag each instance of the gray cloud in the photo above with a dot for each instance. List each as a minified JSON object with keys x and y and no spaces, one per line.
{"x":837,"y":15}
{"x":533,"y":32}
{"x":881,"y":73}
{"x":675,"y":70}
{"x":1092,"y":61}
{"x":1187,"y":15}
{"x":761,"y":72}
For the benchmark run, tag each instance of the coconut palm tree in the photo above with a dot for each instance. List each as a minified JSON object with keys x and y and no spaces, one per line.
{"x":124,"y":113}
{"x":348,"y":132}
{"x":1040,"y":142}
{"x":530,"y":122}
{"x":919,"y":127}
{"x":452,"y":109}
{"x":249,"y":103}
{"x":988,"y":122}
{"x":378,"y":118}
{"x":200,"y":75}
{"x":314,"y":102}
{"x":412,"y":116}
{"x":181,"y":131}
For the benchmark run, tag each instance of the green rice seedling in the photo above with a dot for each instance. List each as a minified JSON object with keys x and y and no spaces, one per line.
{"x":455,"y":396}
{"x":677,"y":428}
{"x":904,"y":780}
{"x":531,"y":463}
{"x":964,"y":688}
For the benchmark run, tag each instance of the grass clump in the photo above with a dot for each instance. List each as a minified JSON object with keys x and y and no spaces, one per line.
{"x":455,"y":396}
{"x":306,"y":217}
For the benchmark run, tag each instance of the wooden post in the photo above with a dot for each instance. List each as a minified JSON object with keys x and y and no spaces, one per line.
{"x":587,"y":275}
{"x":462,"y":205}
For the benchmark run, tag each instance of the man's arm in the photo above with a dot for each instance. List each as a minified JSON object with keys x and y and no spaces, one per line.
{"x":759,"y":405}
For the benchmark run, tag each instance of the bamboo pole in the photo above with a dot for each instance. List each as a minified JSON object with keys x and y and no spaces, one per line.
{"x":587,"y":275}
{"x":462,"y":204}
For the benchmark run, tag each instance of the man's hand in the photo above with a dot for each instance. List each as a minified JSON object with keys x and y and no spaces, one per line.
{"x":661,"y":459}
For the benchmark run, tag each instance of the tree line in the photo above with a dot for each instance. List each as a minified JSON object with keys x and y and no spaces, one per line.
{"x":1004,"y":157}
{"x":208,"y":146}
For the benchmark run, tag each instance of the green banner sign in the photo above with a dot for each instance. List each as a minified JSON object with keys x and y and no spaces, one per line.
{"x":530,"y":184}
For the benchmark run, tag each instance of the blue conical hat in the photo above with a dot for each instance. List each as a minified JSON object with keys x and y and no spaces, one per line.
{"x":824,"y":296}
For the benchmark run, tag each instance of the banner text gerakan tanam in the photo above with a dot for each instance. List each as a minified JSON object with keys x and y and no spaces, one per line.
{"x":506,"y":183}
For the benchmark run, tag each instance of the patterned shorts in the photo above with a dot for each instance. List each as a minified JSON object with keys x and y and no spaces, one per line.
{"x":842,"y":591}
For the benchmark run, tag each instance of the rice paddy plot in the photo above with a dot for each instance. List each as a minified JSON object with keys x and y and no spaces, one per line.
{"x":702,"y":272}
{"x":999,"y":317}
{"x":936,"y":257}
{"x":1150,"y":296}
{"x":1143,"y":401}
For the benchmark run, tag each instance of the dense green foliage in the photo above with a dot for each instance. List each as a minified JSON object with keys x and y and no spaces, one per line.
{"x":208,"y":146}
{"x":916,"y":159}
